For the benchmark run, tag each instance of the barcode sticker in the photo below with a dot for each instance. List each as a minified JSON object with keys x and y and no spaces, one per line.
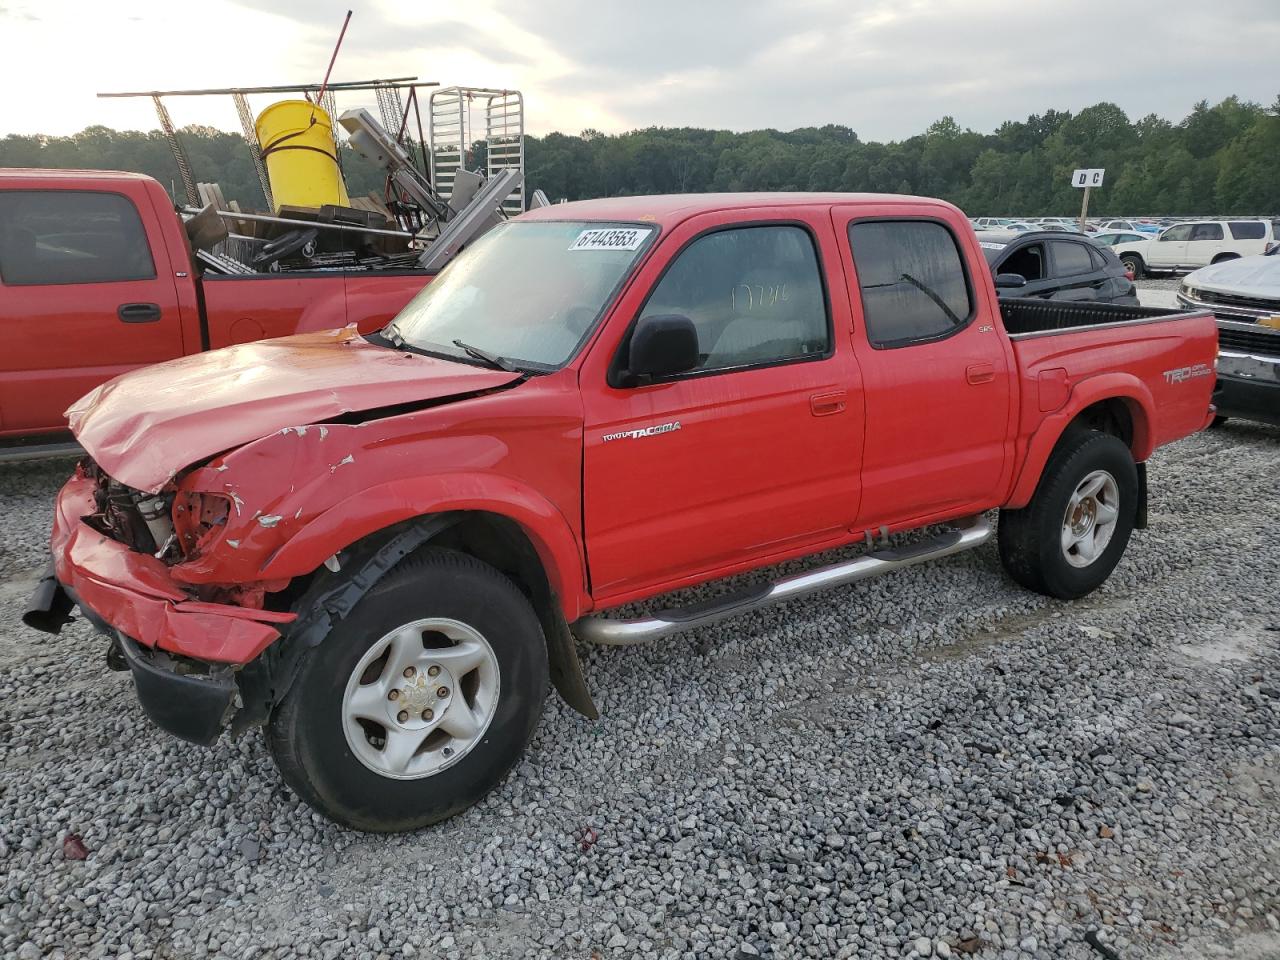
{"x":609,"y":238}
{"x":985,"y":245}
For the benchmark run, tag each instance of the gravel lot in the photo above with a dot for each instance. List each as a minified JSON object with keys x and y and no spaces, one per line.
{"x":928,"y":763}
{"x":1158,"y":291}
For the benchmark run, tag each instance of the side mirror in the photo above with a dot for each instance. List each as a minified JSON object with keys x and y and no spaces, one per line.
{"x":661,"y":345}
{"x":1010,"y":281}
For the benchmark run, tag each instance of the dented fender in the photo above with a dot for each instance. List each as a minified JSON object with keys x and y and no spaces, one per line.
{"x":378,"y":507}
{"x":275,"y":485}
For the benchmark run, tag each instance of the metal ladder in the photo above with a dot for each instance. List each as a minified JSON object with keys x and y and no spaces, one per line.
{"x":453,"y":113}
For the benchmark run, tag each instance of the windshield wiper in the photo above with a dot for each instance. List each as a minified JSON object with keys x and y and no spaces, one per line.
{"x":492,"y":359}
{"x":929,"y":292}
{"x":392,"y":333}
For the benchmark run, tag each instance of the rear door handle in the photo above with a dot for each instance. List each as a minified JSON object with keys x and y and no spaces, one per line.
{"x":825,"y":404}
{"x":980,"y":372}
{"x":138,"y":312}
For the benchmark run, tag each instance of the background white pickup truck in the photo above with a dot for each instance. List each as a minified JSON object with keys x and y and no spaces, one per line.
{"x":1198,"y":243}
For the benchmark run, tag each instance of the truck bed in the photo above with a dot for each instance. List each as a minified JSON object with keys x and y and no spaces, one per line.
{"x":1029,"y":317}
{"x":1065,"y":350}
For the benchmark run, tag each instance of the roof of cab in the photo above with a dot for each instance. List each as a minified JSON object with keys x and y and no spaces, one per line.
{"x":669,"y":209}
{"x":1010,"y":236}
{"x":45,"y":173}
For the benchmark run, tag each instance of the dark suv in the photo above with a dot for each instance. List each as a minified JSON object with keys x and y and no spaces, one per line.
{"x":1055,"y":266}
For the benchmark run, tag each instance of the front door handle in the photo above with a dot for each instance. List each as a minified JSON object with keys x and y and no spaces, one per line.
{"x":980,"y":372}
{"x":825,"y":404}
{"x":138,"y":312}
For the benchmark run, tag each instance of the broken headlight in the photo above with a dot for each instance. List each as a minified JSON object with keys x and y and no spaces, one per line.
{"x":198,"y":520}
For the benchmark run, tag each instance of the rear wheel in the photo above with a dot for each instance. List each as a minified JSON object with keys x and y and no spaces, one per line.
{"x":419,"y":702}
{"x":1071,"y":535}
{"x":1224,"y":257}
{"x":1134,"y":264}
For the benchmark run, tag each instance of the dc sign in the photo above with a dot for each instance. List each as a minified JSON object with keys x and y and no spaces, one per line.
{"x":1087,"y":178}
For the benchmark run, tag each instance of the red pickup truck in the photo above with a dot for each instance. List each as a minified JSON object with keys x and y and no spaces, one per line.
{"x":97,"y":278}
{"x":381,"y":546}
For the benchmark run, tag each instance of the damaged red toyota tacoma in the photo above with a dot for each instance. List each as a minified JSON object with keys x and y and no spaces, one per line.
{"x":380,"y":547}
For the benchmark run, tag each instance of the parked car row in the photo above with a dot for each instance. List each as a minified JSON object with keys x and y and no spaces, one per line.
{"x":1148,"y":246}
{"x":1067,"y":224}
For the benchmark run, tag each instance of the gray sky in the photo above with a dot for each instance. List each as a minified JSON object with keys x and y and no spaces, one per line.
{"x":886,"y":68}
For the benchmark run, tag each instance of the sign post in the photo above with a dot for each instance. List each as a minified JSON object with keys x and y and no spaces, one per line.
{"x":1086,"y":179}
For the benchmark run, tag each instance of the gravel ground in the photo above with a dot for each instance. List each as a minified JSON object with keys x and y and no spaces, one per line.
{"x":1158,"y":291}
{"x":1159,"y":283}
{"x":931,"y":763}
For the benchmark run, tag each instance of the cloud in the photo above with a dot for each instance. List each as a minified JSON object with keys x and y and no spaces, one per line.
{"x":886,"y":68}
{"x":9,"y":13}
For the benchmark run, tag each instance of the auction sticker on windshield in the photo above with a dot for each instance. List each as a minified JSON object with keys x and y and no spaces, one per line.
{"x":610,"y":238}
{"x":987,"y":245}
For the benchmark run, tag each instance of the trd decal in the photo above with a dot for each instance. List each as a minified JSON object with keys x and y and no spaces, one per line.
{"x":1183,"y":374}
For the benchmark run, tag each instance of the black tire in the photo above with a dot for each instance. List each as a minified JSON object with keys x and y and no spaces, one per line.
{"x":1134,"y":263}
{"x":1217,"y":422}
{"x":306,"y":735}
{"x":1224,"y":257}
{"x":1030,"y":539}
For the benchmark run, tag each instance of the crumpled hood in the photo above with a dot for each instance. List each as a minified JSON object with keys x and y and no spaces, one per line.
{"x":1246,"y":277}
{"x":144,"y":426}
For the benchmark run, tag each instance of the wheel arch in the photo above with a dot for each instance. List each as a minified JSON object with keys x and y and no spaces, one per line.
{"x":504,"y":544}
{"x":506,"y":503}
{"x":496,"y":520}
{"x":1118,"y":404}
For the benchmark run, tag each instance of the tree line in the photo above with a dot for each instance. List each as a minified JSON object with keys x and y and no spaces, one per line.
{"x":1219,"y":159}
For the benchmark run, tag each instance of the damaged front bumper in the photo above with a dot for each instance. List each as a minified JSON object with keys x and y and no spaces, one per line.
{"x":184,"y":654}
{"x":191,"y":706}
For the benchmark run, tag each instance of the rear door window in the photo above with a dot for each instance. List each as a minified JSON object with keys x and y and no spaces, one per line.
{"x":71,"y":236}
{"x":1206,"y":231}
{"x":1070,"y":259}
{"x":1248,"y":229}
{"x":913,"y":281}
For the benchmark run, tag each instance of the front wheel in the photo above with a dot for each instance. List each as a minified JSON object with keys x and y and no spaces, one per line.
{"x":1134,"y":264}
{"x":1071,"y":535}
{"x":417,"y":703}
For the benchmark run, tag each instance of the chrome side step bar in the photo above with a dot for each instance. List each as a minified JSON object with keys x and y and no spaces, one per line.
{"x":968,"y":533}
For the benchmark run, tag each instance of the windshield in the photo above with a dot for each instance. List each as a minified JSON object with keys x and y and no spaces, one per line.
{"x":526,"y":293}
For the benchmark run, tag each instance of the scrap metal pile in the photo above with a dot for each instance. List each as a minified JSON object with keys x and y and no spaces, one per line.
{"x":432,"y":204}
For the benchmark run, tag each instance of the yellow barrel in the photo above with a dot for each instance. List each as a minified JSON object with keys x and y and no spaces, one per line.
{"x":297,"y":144}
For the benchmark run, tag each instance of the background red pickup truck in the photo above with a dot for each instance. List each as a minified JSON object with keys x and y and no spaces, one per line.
{"x":381,"y":544}
{"x":97,"y":278}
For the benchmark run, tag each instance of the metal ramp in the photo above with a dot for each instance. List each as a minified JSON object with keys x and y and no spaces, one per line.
{"x":458,"y":117}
